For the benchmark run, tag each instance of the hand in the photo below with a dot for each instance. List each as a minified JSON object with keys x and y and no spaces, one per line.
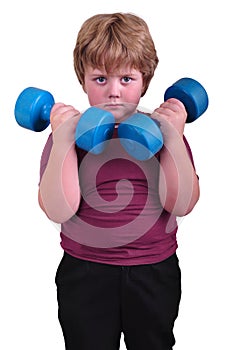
{"x":63,"y":120}
{"x":171,"y":116}
{"x":61,"y":113}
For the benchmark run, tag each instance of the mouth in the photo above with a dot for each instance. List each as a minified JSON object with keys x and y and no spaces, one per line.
{"x":113,"y":105}
{"x":120,"y":110}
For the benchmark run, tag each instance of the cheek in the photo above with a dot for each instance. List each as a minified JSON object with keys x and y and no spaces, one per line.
{"x":133,"y":96}
{"x":95,"y":96}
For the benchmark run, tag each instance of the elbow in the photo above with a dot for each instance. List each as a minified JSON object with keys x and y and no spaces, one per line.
{"x":60,"y":218}
{"x":56,"y":214}
{"x":183,"y":207}
{"x":174,"y":210}
{"x":191,"y":206}
{"x":178,"y":210}
{"x":184,"y":212}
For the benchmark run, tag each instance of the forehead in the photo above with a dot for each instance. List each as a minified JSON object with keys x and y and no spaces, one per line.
{"x":122,"y":70}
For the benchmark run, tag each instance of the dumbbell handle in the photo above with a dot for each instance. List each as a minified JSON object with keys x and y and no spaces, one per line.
{"x":45,"y":112}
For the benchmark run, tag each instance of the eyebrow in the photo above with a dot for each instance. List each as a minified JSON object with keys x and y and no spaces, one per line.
{"x":116,"y":74}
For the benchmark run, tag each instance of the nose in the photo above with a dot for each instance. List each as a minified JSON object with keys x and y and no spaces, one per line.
{"x":114,"y":89}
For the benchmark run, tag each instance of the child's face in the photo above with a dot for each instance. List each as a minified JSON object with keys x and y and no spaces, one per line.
{"x":118,"y":92}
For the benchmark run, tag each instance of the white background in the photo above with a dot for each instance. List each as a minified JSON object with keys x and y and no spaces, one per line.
{"x":37,"y":40}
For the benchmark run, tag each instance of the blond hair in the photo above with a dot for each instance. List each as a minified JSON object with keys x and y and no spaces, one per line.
{"x":110,"y":41}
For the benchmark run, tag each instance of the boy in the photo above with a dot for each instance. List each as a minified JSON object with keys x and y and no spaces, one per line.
{"x":118,"y":273}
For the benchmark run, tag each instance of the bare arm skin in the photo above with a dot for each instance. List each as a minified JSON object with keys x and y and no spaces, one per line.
{"x":178,"y":183}
{"x":59,"y":191}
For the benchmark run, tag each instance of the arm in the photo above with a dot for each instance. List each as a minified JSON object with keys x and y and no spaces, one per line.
{"x":178,"y":182}
{"x":59,"y":192}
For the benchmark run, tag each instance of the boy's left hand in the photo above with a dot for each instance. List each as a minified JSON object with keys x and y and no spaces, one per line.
{"x":171,"y":116}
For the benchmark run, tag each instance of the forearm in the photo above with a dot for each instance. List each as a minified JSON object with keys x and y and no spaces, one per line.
{"x":178,"y":183}
{"x":59,"y":192}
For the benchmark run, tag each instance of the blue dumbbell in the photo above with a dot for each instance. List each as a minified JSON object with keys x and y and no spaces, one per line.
{"x":141,"y":136}
{"x":95,"y":126}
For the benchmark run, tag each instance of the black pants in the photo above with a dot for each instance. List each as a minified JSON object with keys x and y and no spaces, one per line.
{"x":98,"y":302}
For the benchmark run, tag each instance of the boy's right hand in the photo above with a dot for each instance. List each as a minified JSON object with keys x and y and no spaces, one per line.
{"x":63,"y":120}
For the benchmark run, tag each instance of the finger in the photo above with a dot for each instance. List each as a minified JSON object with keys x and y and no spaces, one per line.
{"x":174,"y":104}
{"x":56,"y":106}
{"x":163,"y":111}
{"x":63,"y":111}
{"x":62,"y":108}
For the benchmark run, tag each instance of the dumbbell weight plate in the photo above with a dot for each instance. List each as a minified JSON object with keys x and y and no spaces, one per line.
{"x":94,"y":129}
{"x":32,"y":109}
{"x":140,"y":136}
{"x":192,"y":94}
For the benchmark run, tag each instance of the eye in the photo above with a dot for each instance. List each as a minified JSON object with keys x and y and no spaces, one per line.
{"x":126,"y":79}
{"x":101,"y":80}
